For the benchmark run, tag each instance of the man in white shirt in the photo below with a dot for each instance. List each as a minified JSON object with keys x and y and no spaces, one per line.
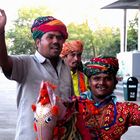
{"x":49,"y":34}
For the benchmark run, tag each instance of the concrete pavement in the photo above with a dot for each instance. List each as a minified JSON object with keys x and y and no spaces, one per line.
{"x":7,"y":109}
{"x":8,"y":112}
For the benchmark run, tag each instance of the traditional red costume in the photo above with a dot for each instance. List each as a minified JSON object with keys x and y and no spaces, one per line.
{"x":113,"y":118}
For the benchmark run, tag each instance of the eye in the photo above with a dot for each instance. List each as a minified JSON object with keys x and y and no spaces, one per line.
{"x":50,"y":36}
{"x":96,"y":78}
{"x":35,"y":119}
{"x":47,"y":120}
{"x":59,"y":37}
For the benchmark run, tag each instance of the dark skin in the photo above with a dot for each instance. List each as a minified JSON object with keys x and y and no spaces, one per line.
{"x":5,"y":61}
{"x":102,"y":85}
{"x":73,"y":59}
{"x":50,"y":46}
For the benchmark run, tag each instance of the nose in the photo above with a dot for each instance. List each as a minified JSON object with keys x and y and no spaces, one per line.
{"x":76,"y":57}
{"x":55,"y":39}
{"x":101,"y":81}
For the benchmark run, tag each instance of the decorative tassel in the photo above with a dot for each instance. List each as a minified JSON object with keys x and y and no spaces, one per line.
{"x":35,"y":128}
{"x":33,"y":107}
{"x":55,"y":110}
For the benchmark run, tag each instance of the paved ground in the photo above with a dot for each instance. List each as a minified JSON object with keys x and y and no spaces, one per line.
{"x":8,"y":112}
{"x":7,"y":109}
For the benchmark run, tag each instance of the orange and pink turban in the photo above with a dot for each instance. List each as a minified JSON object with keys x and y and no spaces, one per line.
{"x":101,"y":64}
{"x":41,"y":25}
{"x":72,"y":46}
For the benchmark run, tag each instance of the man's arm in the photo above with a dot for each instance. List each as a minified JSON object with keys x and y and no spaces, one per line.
{"x":5,"y":60}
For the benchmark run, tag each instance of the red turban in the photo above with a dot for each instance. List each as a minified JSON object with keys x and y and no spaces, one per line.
{"x":101,"y":64}
{"x":42,"y":25}
{"x":72,"y":46}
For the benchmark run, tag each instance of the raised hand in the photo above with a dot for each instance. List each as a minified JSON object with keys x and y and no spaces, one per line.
{"x":2,"y":20}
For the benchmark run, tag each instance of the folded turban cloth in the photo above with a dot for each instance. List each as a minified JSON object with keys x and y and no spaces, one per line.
{"x":41,"y":25}
{"x":101,"y":64}
{"x":72,"y":46}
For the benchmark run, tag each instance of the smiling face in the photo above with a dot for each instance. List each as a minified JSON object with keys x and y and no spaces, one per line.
{"x":102,"y":85}
{"x":50,"y":45}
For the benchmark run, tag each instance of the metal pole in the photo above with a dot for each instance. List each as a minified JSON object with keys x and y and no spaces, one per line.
{"x":139,"y":29}
{"x":124,"y":33}
{"x":125,"y":30}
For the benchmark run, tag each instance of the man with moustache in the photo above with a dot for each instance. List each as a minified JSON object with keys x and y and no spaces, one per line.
{"x":72,"y":54}
{"x":29,"y":71}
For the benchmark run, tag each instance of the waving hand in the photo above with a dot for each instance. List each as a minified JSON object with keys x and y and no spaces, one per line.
{"x":2,"y":20}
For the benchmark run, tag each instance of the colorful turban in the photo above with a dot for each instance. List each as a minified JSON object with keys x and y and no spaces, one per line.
{"x":76,"y":45}
{"x":101,"y":64}
{"x":45,"y":24}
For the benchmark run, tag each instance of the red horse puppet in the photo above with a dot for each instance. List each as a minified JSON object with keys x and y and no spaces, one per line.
{"x":56,"y":120}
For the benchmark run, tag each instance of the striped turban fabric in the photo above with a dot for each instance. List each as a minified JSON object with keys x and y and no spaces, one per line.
{"x":101,"y":64}
{"x":72,"y":46}
{"x":41,"y":25}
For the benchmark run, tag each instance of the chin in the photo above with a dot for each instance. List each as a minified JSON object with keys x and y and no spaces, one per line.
{"x":104,"y":95}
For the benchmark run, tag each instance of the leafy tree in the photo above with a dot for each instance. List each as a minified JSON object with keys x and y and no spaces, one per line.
{"x":84,"y":33}
{"x":101,"y":41}
{"x":132,"y":34}
{"x":19,"y":37}
{"x":107,"y":41}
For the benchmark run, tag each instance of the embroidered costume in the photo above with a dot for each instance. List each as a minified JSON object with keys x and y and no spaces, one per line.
{"x":112,"y":118}
{"x":56,"y":120}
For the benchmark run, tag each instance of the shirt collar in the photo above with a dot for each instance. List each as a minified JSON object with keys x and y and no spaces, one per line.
{"x":40,"y":58}
{"x":74,"y":73}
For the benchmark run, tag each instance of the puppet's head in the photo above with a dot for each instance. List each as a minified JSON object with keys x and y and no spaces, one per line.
{"x":47,"y":111}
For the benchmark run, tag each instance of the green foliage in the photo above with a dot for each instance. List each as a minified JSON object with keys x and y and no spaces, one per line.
{"x":132,"y":35}
{"x":107,"y":41}
{"x":84,"y":33}
{"x":102,"y":41}
{"x":19,"y":38}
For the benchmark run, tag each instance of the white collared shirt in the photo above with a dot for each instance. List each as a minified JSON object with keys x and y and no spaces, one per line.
{"x":29,"y":71}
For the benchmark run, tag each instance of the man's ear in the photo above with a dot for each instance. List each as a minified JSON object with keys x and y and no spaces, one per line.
{"x":37,"y":42}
